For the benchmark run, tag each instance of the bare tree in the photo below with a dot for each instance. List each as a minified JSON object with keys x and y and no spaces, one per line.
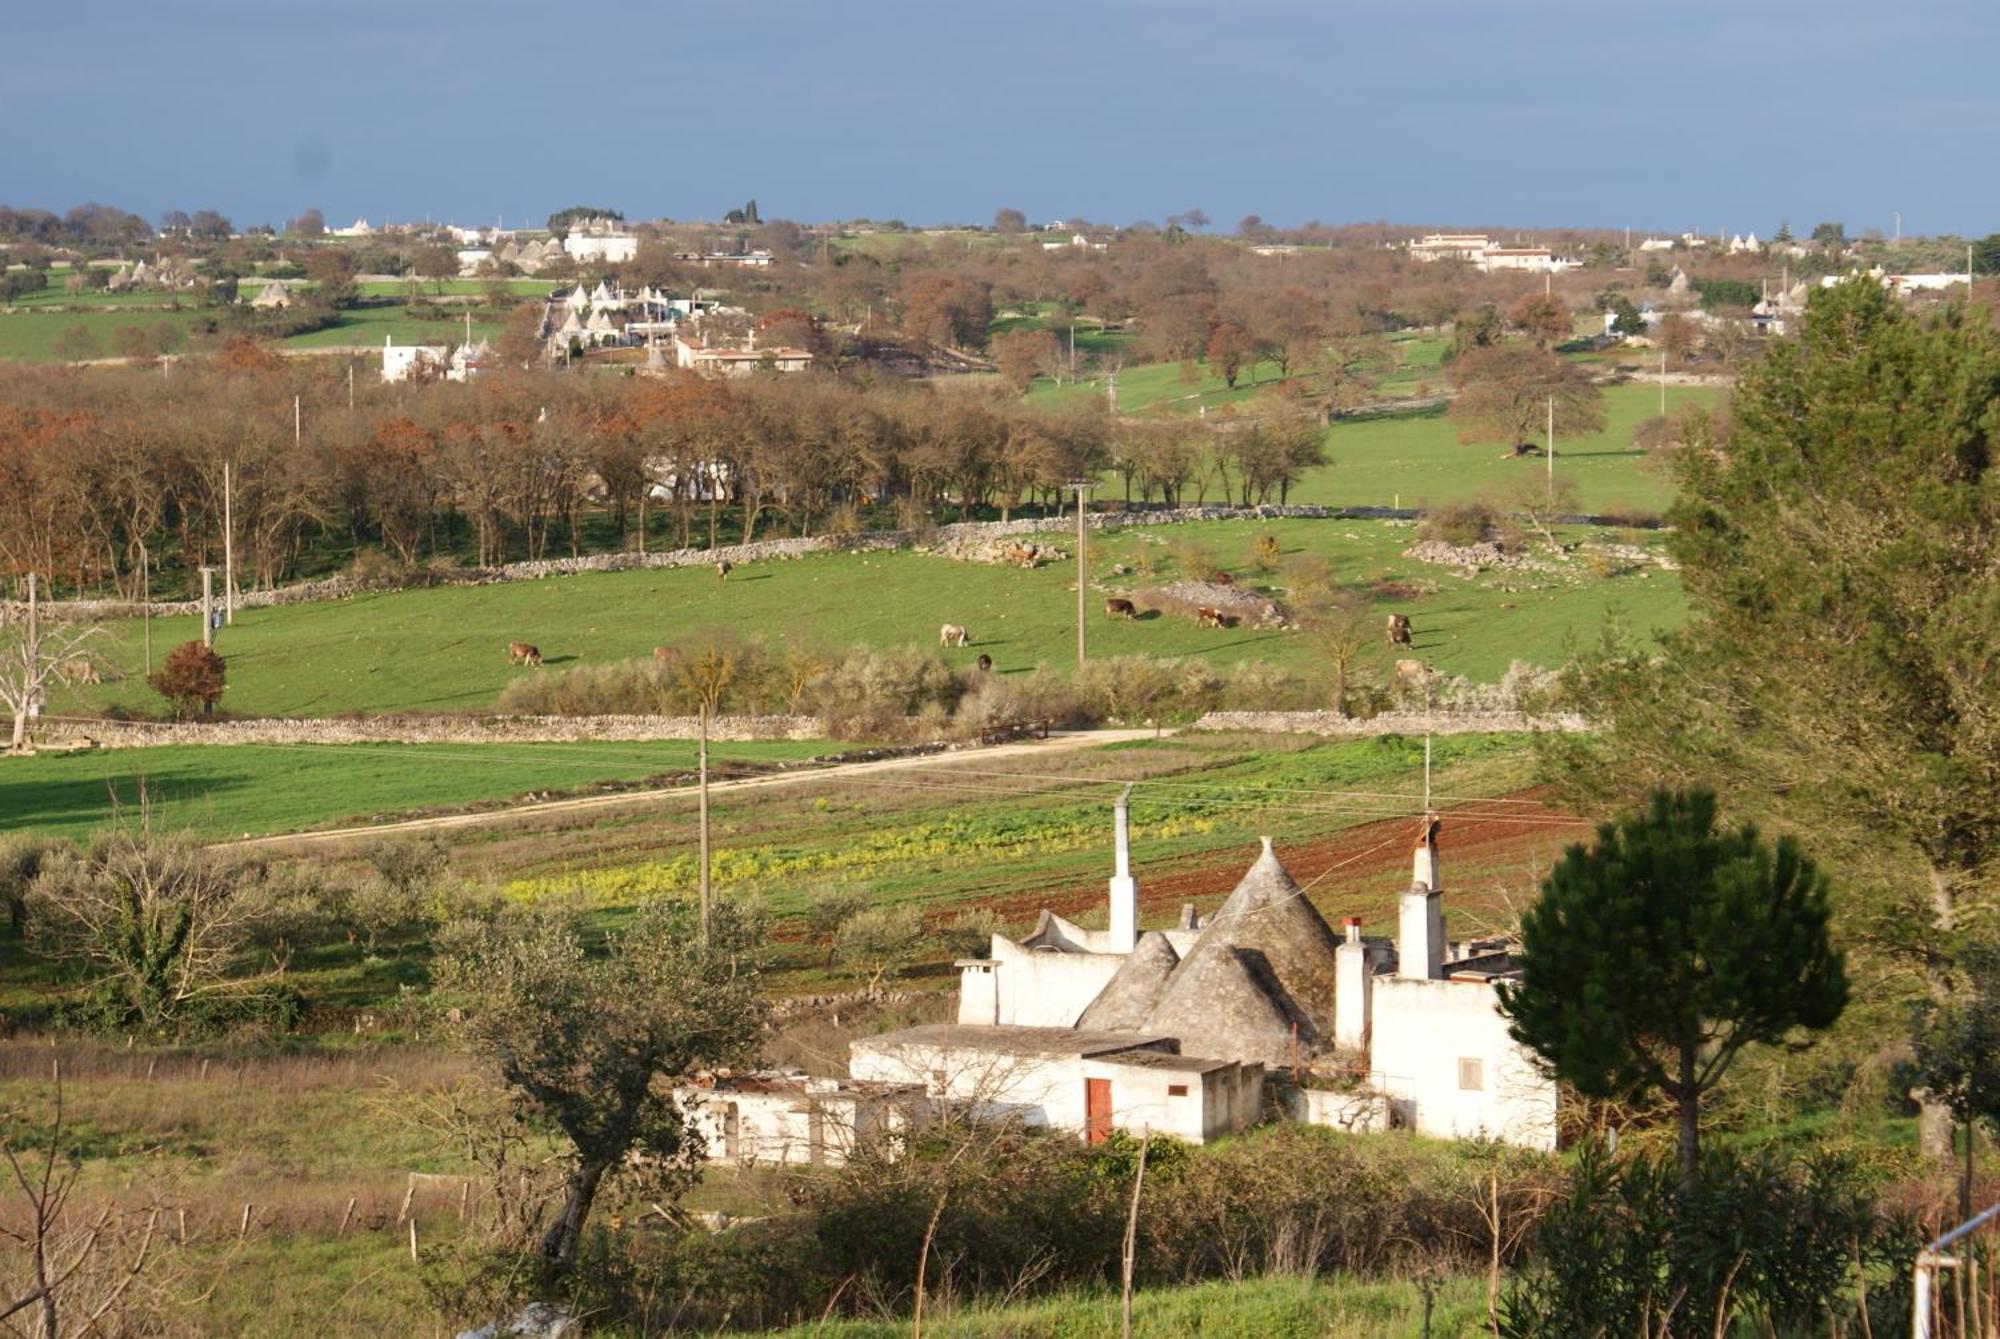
{"x":75,"y":1268}
{"x":35,"y":651}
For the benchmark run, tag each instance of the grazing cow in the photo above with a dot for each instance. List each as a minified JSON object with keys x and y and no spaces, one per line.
{"x":1412,"y":671}
{"x":1117,"y":608}
{"x":1211,"y":618}
{"x":523,"y":653}
{"x":985,"y":663}
{"x":1399,"y":630}
{"x":954,"y":634}
{"x":1224,"y":579}
{"x":77,"y":671}
{"x":666,"y":655}
{"x":724,"y":568}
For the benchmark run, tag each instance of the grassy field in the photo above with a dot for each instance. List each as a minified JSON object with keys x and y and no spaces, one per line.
{"x":1270,"y":1308}
{"x":1416,"y":459}
{"x":369,"y":325}
{"x":256,"y":789}
{"x":32,"y":336}
{"x":444,"y":649}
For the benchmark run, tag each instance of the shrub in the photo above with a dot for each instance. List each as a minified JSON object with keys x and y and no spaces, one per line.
{"x":879,"y":940}
{"x":1264,"y":552}
{"x":869,"y":693}
{"x":1759,"y":1237}
{"x":1195,"y":562}
{"x":192,"y":675}
{"x":1460,"y":523}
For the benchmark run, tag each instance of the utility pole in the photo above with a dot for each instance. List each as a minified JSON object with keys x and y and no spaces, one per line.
{"x":1552,"y":448}
{"x":350,"y":385}
{"x":228,"y":546}
{"x":1082,"y":488}
{"x":1663,"y":385}
{"x":1427,"y":773}
{"x":208,"y":606}
{"x":33,"y":659}
{"x":146,"y":601}
{"x":298,"y":431}
{"x":1111,"y":383}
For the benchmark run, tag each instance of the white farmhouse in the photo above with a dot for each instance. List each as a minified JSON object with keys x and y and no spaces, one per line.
{"x":607,"y":248}
{"x":406,"y":362}
{"x":781,"y":1118}
{"x":1199,"y":1029}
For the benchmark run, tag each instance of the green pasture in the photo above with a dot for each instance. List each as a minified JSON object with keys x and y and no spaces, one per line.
{"x":444,"y":649}
{"x":1162,"y":387}
{"x":254,"y":789}
{"x":31,"y":336}
{"x":1416,"y":459}
{"x":462,"y":288}
{"x":369,"y":325}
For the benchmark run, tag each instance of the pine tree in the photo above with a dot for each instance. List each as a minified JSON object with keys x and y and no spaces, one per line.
{"x":1655,"y":956}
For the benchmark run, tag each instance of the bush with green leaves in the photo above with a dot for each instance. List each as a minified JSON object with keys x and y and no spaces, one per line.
{"x":880,"y":939}
{"x":1626,"y":1249}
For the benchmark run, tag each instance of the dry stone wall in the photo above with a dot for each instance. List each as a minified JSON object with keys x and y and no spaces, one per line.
{"x":1333,"y":725}
{"x":443,"y":730}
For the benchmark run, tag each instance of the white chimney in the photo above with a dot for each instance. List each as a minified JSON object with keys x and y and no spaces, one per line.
{"x":1124,"y":888}
{"x":1353,"y":1001}
{"x":1420,"y":924}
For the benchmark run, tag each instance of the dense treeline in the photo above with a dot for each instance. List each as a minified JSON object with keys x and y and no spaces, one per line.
{"x":117,"y":476}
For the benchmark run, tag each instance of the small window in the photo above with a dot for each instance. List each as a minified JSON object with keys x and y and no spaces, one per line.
{"x":1471,"y":1075}
{"x":1177,"y":1090}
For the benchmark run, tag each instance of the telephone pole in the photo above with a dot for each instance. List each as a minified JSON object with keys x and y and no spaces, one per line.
{"x":1082,"y":488}
{"x":1552,"y":448}
{"x":228,"y":546}
{"x":208,"y":606}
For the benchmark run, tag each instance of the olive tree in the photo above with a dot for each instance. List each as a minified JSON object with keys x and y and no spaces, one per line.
{"x":591,"y":1039}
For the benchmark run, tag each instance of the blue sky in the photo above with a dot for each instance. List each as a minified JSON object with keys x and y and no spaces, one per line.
{"x":1673,"y":114}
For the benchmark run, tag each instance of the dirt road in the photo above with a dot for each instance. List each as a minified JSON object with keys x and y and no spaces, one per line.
{"x":1062,"y":741}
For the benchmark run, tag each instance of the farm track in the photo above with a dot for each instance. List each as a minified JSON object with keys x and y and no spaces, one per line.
{"x":1058,"y":742}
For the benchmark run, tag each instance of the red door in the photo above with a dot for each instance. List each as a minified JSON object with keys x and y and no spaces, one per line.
{"x":1096,"y":1110}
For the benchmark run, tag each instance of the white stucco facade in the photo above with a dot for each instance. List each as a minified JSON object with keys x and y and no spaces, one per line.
{"x":1441,"y":1054}
{"x":788,"y":1119}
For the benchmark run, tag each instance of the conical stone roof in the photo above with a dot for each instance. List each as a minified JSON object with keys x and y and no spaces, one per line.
{"x":1131,"y":994}
{"x":1268,"y":939}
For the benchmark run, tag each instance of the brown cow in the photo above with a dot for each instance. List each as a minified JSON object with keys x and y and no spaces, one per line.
{"x":1412,"y":671}
{"x":666,"y":655}
{"x":724,"y":568}
{"x":985,"y":663}
{"x":1399,"y":630}
{"x":1117,"y":608}
{"x":523,"y":653}
{"x":77,"y":671}
{"x":1223,"y":579}
{"x":1211,"y":618}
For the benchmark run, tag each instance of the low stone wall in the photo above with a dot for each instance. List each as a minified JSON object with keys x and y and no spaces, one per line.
{"x":1333,"y":725}
{"x":434,"y":730}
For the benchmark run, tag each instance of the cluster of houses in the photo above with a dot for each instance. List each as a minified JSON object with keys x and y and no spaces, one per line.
{"x":1486,"y":255}
{"x":611,"y":317}
{"x":170,"y":274}
{"x":1259,"y":1011}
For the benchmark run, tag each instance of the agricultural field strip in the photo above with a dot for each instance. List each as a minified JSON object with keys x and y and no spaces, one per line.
{"x":1055,"y":743}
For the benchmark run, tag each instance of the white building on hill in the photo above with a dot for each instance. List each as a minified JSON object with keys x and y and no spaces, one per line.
{"x":411,"y":362}
{"x":1198,"y":1030}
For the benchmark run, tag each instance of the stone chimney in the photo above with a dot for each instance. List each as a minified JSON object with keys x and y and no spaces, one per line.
{"x":1420,"y":924}
{"x":1124,"y":888}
